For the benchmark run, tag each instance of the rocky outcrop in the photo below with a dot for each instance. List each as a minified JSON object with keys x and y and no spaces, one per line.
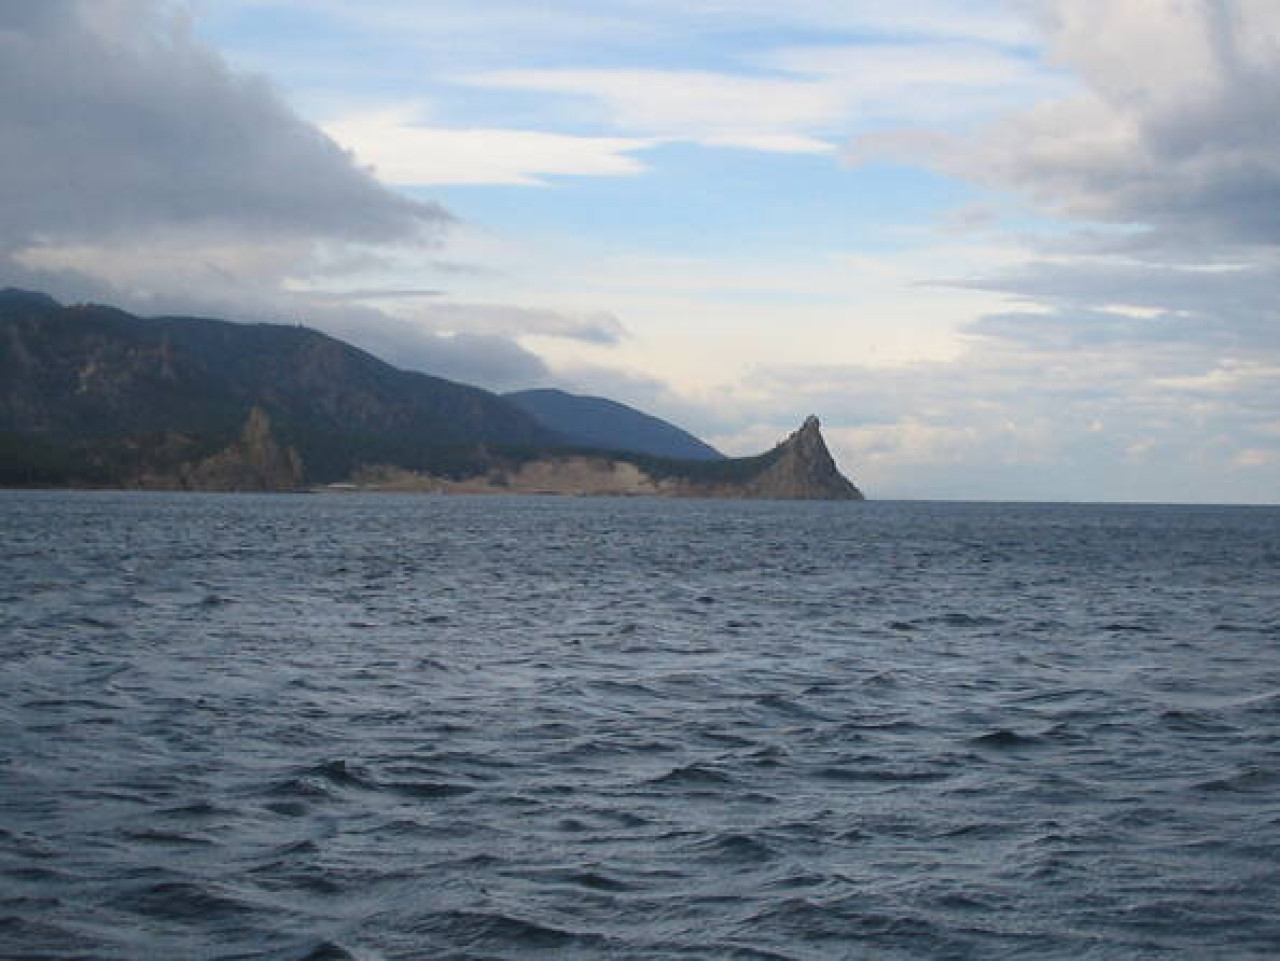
{"x":93,"y":396}
{"x":254,"y":462}
{"x":799,"y":468}
{"x":804,"y":471}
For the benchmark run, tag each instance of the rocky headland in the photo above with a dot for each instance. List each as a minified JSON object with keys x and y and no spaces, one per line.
{"x":91,"y":396}
{"x":799,"y":468}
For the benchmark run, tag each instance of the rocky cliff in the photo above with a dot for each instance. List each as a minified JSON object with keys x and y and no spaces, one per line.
{"x":804,"y":470}
{"x":799,"y":468}
{"x":255,"y":461}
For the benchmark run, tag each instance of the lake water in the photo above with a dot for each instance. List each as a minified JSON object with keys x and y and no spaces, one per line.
{"x":377,"y":727}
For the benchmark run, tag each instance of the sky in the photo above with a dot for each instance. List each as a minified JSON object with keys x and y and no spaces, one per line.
{"x":1005,"y":249}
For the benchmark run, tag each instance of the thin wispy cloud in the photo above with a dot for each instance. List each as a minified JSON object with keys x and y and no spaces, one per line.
{"x":402,"y":149}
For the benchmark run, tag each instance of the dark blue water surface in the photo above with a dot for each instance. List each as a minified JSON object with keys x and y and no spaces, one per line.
{"x":377,"y":727}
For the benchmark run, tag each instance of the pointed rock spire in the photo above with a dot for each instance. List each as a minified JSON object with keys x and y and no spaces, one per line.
{"x":805,"y":469}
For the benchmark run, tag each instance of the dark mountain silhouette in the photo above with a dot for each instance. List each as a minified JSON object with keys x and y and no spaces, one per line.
{"x":91,"y":395}
{"x":603,"y":424}
{"x":119,"y":395}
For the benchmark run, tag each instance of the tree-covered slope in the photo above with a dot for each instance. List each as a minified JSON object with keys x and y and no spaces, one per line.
{"x":598,"y":423}
{"x":96,"y":382}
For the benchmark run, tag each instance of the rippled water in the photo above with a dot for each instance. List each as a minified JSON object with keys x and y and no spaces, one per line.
{"x":444,"y":728}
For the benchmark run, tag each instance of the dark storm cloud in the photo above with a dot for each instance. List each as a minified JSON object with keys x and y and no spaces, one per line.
{"x":114,"y":120}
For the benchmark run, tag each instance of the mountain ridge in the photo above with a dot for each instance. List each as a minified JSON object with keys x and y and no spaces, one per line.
{"x":91,"y":395}
{"x":601,"y":423}
{"x":95,"y":377}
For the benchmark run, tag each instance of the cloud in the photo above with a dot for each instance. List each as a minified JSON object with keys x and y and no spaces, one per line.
{"x":1142,"y":336}
{"x":116,"y":121}
{"x":1253,"y":457}
{"x":137,"y":168}
{"x":1174,"y":127}
{"x":1134,"y":304}
{"x":491,"y":358}
{"x":683,"y":103}
{"x":449,"y":29}
{"x":405,"y":151}
{"x":484,"y":359}
{"x":598,"y":327}
{"x":1065,"y":418}
{"x":966,"y":20}
{"x":1171,"y":127}
{"x":789,"y":100}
